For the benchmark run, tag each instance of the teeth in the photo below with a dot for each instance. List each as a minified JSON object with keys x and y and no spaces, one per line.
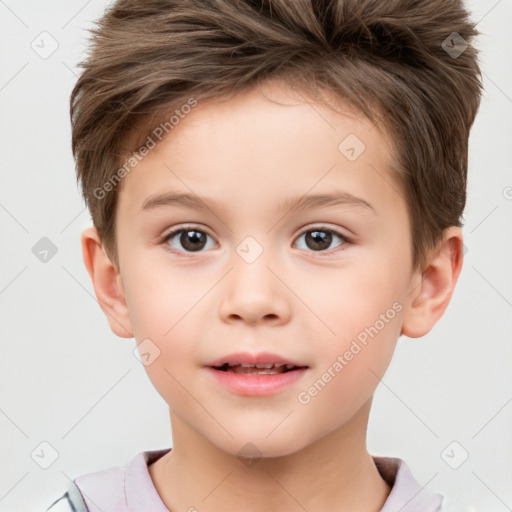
{"x":258,"y":369}
{"x":262,"y":365}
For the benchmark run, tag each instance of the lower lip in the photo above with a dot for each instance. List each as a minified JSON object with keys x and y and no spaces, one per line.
{"x":256,"y":385}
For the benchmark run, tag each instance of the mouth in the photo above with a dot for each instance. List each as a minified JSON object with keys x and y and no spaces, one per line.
{"x":256,"y":374}
{"x":258,"y":369}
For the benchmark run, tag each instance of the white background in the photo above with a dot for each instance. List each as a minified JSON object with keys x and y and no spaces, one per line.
{"x":68,"y":381}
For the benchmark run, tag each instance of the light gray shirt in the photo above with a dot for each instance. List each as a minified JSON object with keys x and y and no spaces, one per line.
{"x":130,"y":488}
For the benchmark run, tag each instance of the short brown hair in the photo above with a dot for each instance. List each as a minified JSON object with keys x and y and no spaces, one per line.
{"x":406,"y":64}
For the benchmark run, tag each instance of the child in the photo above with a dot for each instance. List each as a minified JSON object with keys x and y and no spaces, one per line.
{"x":259,"y":131}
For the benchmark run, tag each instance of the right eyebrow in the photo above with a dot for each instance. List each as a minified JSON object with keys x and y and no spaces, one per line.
{"x":170,"y":198}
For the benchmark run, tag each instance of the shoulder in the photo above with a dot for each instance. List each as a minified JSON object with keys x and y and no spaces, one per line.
{"x":70,"y":501}
{"x":101,"y":491}
{"x":117,"y":489}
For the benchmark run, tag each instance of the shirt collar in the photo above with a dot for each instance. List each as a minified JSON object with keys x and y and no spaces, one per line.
{"x":406,"y":493}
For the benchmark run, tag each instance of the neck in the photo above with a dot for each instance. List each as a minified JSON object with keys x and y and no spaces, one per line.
{"x":334,"y":473}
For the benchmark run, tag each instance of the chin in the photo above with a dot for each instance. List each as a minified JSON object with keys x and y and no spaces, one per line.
{"x":249,"y":447}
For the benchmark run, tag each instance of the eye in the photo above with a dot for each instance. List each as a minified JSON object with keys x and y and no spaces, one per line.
{"x":190,"y":239}
{"x":319,"y":239}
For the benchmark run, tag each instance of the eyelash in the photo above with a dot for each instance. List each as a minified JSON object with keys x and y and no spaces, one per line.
{"x":345,"y":240}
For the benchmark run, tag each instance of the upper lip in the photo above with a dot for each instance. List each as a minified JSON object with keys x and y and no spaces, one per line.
{"x":259,"y":358}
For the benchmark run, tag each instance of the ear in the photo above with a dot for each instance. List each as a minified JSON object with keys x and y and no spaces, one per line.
{"x":107,"y":284}
{"x":430,"y":298}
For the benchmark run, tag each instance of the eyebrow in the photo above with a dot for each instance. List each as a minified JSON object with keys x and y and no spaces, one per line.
{"x":302,"y":203}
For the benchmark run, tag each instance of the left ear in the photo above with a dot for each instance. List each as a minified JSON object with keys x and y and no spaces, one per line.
{"x":430,"y":298}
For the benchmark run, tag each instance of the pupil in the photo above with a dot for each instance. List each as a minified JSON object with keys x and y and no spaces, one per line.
{"x":318,"y":240}
{"x":193,"y":240}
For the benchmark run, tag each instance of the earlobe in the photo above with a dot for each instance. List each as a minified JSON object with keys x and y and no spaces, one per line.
{"x":431,"y":296}
{"x":107,"y":283}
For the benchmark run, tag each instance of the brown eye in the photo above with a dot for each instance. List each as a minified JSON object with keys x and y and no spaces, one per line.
{"x":189,"y":240}
{"x":320,"y":239}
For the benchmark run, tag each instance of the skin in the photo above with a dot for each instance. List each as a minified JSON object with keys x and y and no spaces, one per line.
{"x":247,"y":154}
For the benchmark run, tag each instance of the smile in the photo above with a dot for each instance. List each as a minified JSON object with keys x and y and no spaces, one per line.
{"x":254,"y":380}
{"x":256,"y":369}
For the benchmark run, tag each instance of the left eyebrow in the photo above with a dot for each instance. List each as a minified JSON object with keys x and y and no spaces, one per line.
{"x":289,"y":205}
{"x":317,"y":200}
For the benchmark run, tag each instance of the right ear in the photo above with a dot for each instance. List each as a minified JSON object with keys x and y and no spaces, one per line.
{"x":106,"y":281}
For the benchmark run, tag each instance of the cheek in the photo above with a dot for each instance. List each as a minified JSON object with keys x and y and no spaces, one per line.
{"x":160,"y":297}
{"x":362,"y":313}
{"x":347,"y":301}
{"x":173,"y":348}
{"x":348,"y":373}
{"x":162,"y":307}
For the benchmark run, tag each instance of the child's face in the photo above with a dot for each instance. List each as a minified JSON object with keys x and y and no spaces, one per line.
{"x":257,"y":278}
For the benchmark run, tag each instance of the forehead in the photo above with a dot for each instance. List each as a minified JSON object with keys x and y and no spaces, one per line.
{"x":273,"y":140}
{"x":265,"y":110}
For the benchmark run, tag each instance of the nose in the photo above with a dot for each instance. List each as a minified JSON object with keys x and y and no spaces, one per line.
{"x":253,"y":293}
